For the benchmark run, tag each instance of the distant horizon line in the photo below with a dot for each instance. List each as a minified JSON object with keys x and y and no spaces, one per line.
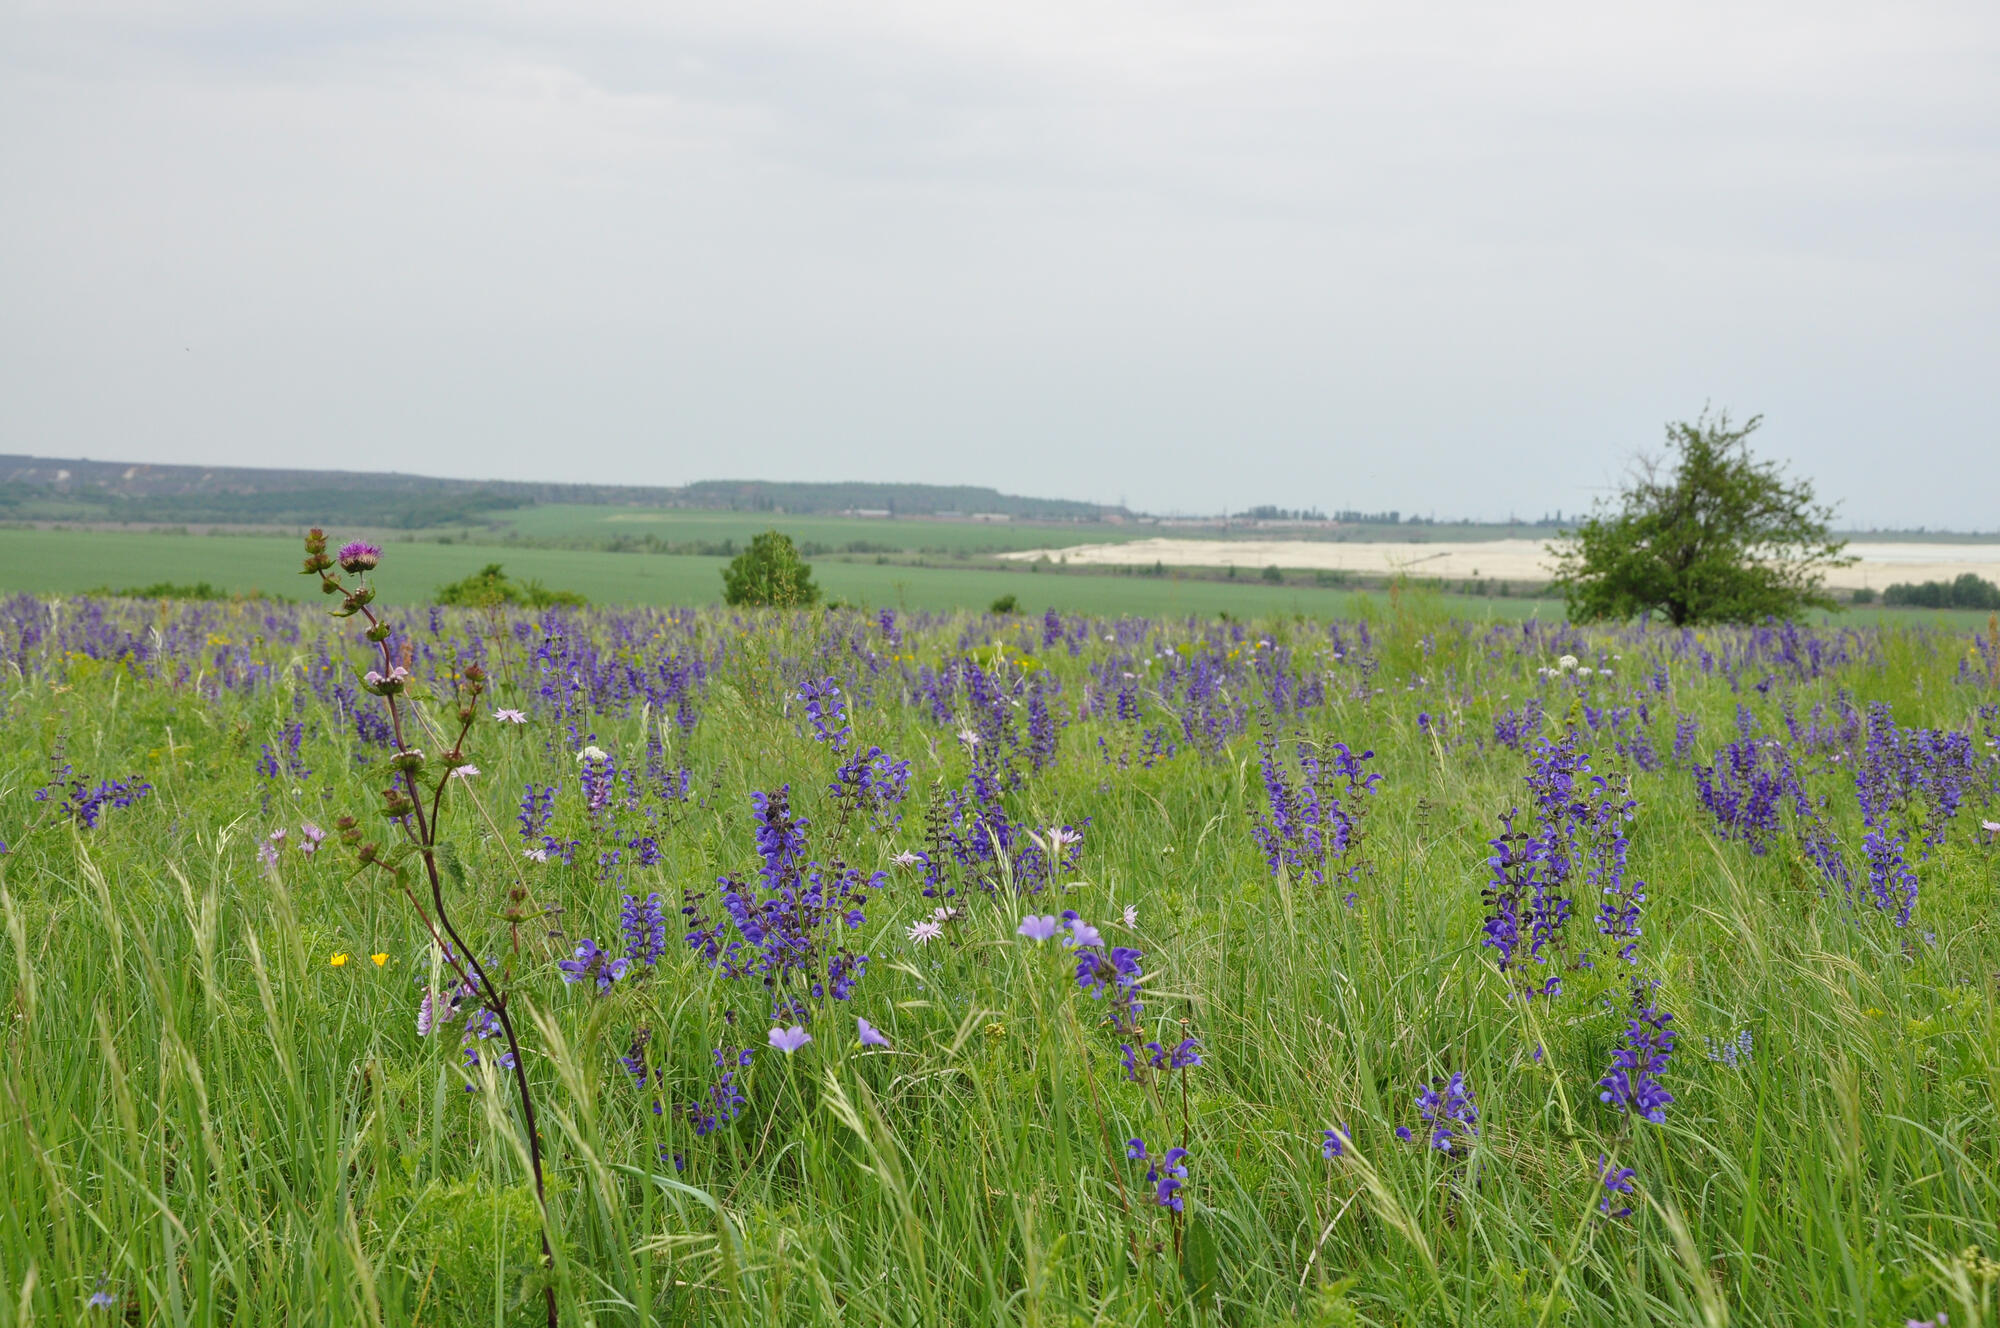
{"x":1262,"y":512}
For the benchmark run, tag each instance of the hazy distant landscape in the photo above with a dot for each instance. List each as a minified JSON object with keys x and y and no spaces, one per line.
{"x":68,"y":526}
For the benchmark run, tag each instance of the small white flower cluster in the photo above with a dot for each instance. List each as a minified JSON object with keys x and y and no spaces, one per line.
{"x":1569,"y":664}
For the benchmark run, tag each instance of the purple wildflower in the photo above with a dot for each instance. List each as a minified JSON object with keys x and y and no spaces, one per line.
{"x":591,"y":962}
{"x":359,"y":556}
{"x":1632,"y":1084}
{"x":644,"y":924}
{"x":1617,"y":1181}
{"x":1447,"y":1106}
{"x":789,"y":1040}
{"x":1039,"y":928}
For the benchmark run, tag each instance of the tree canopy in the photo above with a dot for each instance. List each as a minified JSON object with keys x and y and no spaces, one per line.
{"x":1707,"y":534}
{"x":769,"y":574}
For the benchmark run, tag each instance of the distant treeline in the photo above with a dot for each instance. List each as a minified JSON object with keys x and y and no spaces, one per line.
{"x":348,"y":507}
{"x":893,"y":499}
{"x":648,"y":542}
{"x":40,"y":488}
{"x":1968,"y":591}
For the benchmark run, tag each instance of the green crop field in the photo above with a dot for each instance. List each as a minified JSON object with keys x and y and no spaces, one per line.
{"x":951,"y":968}
{"x":70,"y":561}
{"x":598,"y":524}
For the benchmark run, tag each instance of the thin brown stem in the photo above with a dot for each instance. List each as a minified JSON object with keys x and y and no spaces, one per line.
{"x":426,"y":840}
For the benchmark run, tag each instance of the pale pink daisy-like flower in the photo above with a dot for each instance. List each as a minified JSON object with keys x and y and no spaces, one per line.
{"x":923,"y":933}
{"x":968,"y":737}
{"x":907,"y":858}
{"x":309,"y":837}
{"x":1060,"y":838}
{"x":535,"y":854}
{"x":945,"y":914}
{"x":1131,"y":917}
{"x":510,"y":717}
{"x":1990,"y":827}
{"x":463,"y":771}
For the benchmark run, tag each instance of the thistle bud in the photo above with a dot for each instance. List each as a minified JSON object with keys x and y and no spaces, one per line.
{"x":359,"y":556}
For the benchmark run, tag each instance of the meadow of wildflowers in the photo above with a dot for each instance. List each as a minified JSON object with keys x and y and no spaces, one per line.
{"x":418,"y":966}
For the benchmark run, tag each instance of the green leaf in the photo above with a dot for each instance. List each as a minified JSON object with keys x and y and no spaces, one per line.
{"x":450,"y":864}
{"x":1201,"y":1261}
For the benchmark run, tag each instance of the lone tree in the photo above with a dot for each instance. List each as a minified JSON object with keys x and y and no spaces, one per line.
{"x":1708,"y":535}
{"x":769,"y":574}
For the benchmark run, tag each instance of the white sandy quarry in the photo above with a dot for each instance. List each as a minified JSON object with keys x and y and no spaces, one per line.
{"x":1499,"y":560}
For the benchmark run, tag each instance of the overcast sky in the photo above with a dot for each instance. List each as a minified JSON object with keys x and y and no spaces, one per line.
{"x":1460,"y":257}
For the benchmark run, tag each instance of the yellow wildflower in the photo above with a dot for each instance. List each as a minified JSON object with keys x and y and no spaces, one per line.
{"x":338,"y":960}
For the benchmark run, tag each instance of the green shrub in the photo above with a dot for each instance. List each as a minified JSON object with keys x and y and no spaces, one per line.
{"x":169,"y":590}
{"x":769,"y":574}
{"x":1005,"y":604}
{"x":490,"y":587}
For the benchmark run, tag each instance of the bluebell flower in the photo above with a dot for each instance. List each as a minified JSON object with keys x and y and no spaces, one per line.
{"x":870,"y":1036}
{"x":1038,"y":928}
{"x":1082,"y":933}
{"x":789,"y":1040}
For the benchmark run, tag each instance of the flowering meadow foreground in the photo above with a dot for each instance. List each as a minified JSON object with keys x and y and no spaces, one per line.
{"x":884,"y":968}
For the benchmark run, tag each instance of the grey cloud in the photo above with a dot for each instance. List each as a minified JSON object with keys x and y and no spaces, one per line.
{"x":1450,"y":256}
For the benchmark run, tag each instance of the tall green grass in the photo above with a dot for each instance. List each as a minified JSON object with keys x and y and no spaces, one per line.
{"x":205,"y":1113}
